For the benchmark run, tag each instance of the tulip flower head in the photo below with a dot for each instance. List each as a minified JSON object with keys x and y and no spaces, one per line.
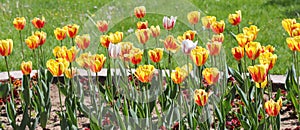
{"x":193,"y":17}
{"x":207,"y":21}
{"x":145,"y":73}
{"x":251,"y":32}
{"x":19,"y":23}
{"x":218,"y":38}
{"x":214,"y":48}
{"x":155,"y":31}
{"x":143,"y":35}
{"x":171,"y":44}
{"x":70,"y":73}
{"x":258,"y":73}
{"x":218,"y":27}
{"x":238,"y":53}
{"x":57,"y":67}
{"x":262,"y":85}
{"x":187,"y":46}
{"x":60,"y":33}
{"x":96,"y":62}
{"x":59,"y":52}
{"x":71,"y":54}
{"x":292,"y":43}
{"x":179,"y":75}
{"x":26,"y":67}
{"x":6,"y":47}
{"x":38,"y":23}
{"x":42,"y":37}
{"x":156,"y":54}
{"x":187,"y":35}
{"x":200,"y":97}
{"x":287,"y":24}
{"x":142,"y":25}
{"x":169,"y":23}
{"x":268,"y":59}
{"x":116,"y":37}
{"x":84,"y":60}
{"x":267,"y":48}
{"x":242,"y":39}
{"x":199,"y":55}
{"x":102,"y":26}
{"x":140,"y":12}
{"x":83,"y":41}
{"x":105,"y":40}
{"x":32,"y":42}
{"x":72,"y":30}
{"x":114,"y":50}
{"x":296,"y":29}
{"x":235,"y":19}
{"x":273,"y":108}
{"x":125,"y":50}
{"x":253,"y":50}
{"x":136,"y":56}
{"x":211,"y":75}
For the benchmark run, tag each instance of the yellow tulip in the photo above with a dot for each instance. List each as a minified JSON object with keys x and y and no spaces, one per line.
{"x":253,"y":50}
{"x":193,"y":17}
{"x":155,"y":31}
{"x":251,"y":32}
{"x":32,"y":42}
{"x":142,"y":25}
{"x":125,"y":50}
{"x":105,"y":40}
{"x":143,"y":35}
{"x":218,"y":38}
{"x":72,"y":30}
{"x":238,"y":53}
{"x":218,"y":27}
{"x":262,"y":85}
{"x":84,"y":60}
{"x":242,"y":39}
{"x":6,"y":47}
{"x":171,"y":44}
{"x":235,"y":19}
{"x":60,"y":33}
{"x":187,"y":35}
{"x":38,"y":23}
{"x":83,"y":41}
{"x":200,"y":97}
{"x":199,"y":55}
{"x":102,"y":26}
{"x":140,"y":12}
{"x":287,"y":25}
{"x":179,"y":75}
{"x":214,"y":48}
{"x":258,"y":73}
{"x":273,"y":108}
{"x":207,"y":21}
{"x":71,"y":54}
{"x":70,"y":73}
{"x":57,"y":67}
{"x":156,"y":54}
{"x":96,"y":62}
{"x":269,"y":59}
{"x":116,"y":37}
{"x":59,"y":52}
{"x":211,"y":75}
{"x":26,"y":67}
{"x":19,"y":23}
{"x":42,"y":37}
{"x":268,"y":48}
{"x":145,"y":73}
{"x":136,"y":56}
{"x":296,"y":29}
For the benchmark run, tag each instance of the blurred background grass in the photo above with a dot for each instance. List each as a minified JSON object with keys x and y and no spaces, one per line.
{"x":266,"y":14}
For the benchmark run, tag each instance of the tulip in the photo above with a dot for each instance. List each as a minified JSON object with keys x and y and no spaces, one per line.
{"x":214,"y":48}
{"x":143,"y":35}
{"x":292,"y":43}
{"x":136,"y":56}
{"x":156,"y":54}
{"x":32,"y":42}
{"x":238,"y":53}
{"x":200,"y":97}
{"x":211,"y":75}
{"x":72,"y":30}
{"x":187,"y":35}
{"x":57,"y":67}
{"x":59,"y":52}
{"x":263,"y":84}
{"x":102,"y":26}
{"x":6,"y":47}
{"x":155,"y":31}
{"x":19,"y":23}
{"x":70,"y":73}
{"x":105,"y":40}
{"x":142,"y":25}
{"x":169,"y":23}
{"x":193,"y":17}
{"x":125,"y":50}
{"x":140,"y":12}
{"x":26,"y":67}
{"x":83,"y":41}
{"x":268,"y":48}
{"x":179,"y":75}
{"x":273,"y":108}
{"x":116,"y":37}
{"x":218,"y":27}
{"x":114,"y":50}
{"x":170,"y":44}
{"x":296,"y":29}
{"x":258,"y":73}
{"x":218,"y":38}
{"x":253,"y":50}
{"x":42,"y":37}
{"x":269,"y":59}
{"x":242,"y":39}
{"x":145,"y":73}
{"x":287,"y":25}
{"x":251,"y":32}
{"x":235,"y":19}
{"x":84,"y":60}
{"x":60,"y":33}
{"x":96,"y":62}
{"x":38,"y":23}
{"x":199,"y":55}
{"x":71,"y":54}
{"x":187,"y":46}
{"x":207,"y":21}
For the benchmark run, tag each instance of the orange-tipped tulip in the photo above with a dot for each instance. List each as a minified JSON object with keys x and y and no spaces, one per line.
{"x":187,"y":35}
{"x":140,"y":12}
{"x":42,"y":36}
{"x":59,"y":52}
{"x":207,"y":21}
{"x":200,"y":97}
{"x":211,"y":75}
{"x":38,"y":23}
{"x":32,"y":42}
{"x":155,"y":31}
{"x":142,"y":25}
{"x":238,"y":53}
{"x":57,"y":67}
{"x":287,"y":25}
{"x":193,"y":17}
{"x":19,"y":23}
{"x":258,"y":73}
{"x":218,"y":27}
{"x":269,"y":59}
{"x":72,"y":30}
{"x":102,"y":26}
{"x":199,"y":55}
{"x":60,"y":33}
{"x":273,"y":108}
{"x":214,"y":48}
{"x":6,"y":47}
{"x":96,"y":62}
{"x":145,"y":73}
{"x":26,"y":67}
{"x":136,"y":56}
{"x":179,"y":75}
{"x":156,"y":54}
{"x":218,"y":38}
{"x":105,"y":40}
{"x":142,"y":35}
{"x":83,"y":41}
{"x":71,"y":54}
{"x":70,"y":73}
{"x":235,"y":19}
{"x":253,"y":50}
{"x":125,"y":50}
{"x":171,"y":44}
{"x":116,"y":37}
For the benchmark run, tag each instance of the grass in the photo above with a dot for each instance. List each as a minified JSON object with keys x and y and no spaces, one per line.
{"x":266,"y":14}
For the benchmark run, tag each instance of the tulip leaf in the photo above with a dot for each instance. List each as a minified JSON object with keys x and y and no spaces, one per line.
{"x":243,"y":95}
{"x":236,"y":76}
{"x":4,"y":90}
{"x":11,"y":113}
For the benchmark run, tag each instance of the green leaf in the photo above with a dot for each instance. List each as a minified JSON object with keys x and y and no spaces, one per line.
{"x":4,"y":90}
{"x":26,"y":90}
{"x":11,"y":113}
{"x":236,"y":76}
{"x":243,"y":95}
{"x":218,"y":112}
{"x":44,"y":118}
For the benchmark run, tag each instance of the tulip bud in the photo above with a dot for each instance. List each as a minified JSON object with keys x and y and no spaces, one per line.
{"x":83,"y":41}
{"x":102,"y":26}
{"x":144,"y":73}
{"x":19,"y":23}
{"x":26,"y":67}
{"x":187,"y":46}
{"x":6,"y":47}
{"x":140,"y":12}
{"x":169,"y":23}
{"x":38,"y":23}
{"x":114,"y":50}
{"x":211,"y":75}
{"x":200,"y":97}
{"x":193,"y":17}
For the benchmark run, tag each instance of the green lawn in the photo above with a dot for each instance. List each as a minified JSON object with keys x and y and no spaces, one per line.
{"x":266,"y":14}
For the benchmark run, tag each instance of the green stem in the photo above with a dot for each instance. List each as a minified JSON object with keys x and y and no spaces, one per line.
{"x":22,"y":46}
{"x":240,"y":67}
{"x":60,"y":102}
{"x":188,"y":69}
{"x":253,"y":62}
{"x":156,"y":41}
{"x":145,"y":55}
{"x":10,"y":82}
{"x":61,"y":43}
{"x":200,"y":75}
{"x":73,"y":44}
{"x":238,"y":28}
